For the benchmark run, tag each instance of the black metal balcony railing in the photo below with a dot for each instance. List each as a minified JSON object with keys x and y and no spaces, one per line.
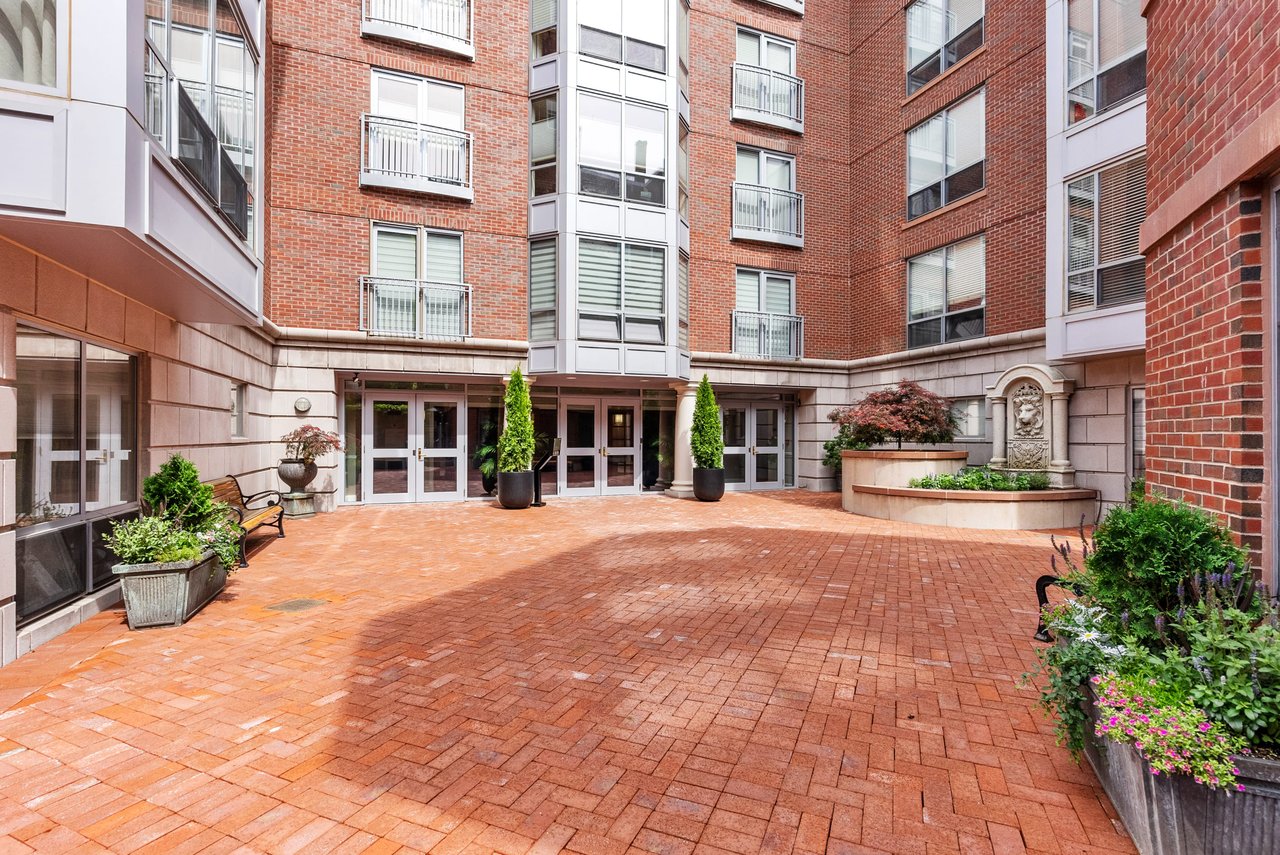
{"x":413,"y":308}
{"x":768,"y":335}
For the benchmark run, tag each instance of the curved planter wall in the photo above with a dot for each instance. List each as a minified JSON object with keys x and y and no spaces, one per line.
{"x":998,"y":510}
{"x":897,"y":468}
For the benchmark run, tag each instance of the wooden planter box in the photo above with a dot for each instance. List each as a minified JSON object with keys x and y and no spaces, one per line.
{"x":169,"y":594}
{"x":1176,"y":816}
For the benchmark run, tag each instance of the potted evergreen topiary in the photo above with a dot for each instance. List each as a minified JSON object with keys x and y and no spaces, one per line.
{"x":515,"y":447}
{"x":706,"y":440}
{"x":176,"y":556}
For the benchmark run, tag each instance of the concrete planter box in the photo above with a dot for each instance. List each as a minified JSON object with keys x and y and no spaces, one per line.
{"x":1176,"y":816}
{"x":1029,"y":510}
{"x":897,"y":468}
{"x":169,"y":594}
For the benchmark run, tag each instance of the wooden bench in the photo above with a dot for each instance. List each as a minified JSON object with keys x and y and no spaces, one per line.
{"x":250,"y":518}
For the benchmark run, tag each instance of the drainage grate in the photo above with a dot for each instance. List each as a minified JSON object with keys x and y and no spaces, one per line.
{"x":300,"y":605}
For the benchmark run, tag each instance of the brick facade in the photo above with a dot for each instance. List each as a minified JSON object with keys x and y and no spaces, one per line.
{"x":1208,"y":333}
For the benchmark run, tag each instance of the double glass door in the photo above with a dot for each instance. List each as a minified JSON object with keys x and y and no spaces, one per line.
{"x":600,"y":451}
{"x":753,"y":446}
{"x":414,"y":447}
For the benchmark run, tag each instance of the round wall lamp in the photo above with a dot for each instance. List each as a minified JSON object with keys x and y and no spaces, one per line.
{"x":302,"y":405}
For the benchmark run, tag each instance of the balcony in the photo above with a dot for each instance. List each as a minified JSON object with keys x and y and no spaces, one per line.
{"x":411,"y":308}
{"x":441,"y":24}
{"x":421,"y":158}
{"x":768,"y":97}
{"x":768,"y":214}
{"x":768,"y":336}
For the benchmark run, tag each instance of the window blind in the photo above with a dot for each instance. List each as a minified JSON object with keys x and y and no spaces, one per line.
{"x":684,"y":302}
{"x":925,"y":285}
{"x":397,"y":254}
{"x":1122,"y":206}
{"x":543,"y":15}
{"x":599,"y":275}
{"x":444,"y":258}
{"x":748,"y":283}
{"x":777,"y":295}
{"x":966,"y":273}
{"x":542,"y":290}
{"x":646,"y":278}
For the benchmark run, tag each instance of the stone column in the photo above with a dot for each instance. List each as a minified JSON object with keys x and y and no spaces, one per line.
{"x":999,"y":429}
{"x":1060,"y":457}
{"x":8,"y":478}
{"x":686,"y":395}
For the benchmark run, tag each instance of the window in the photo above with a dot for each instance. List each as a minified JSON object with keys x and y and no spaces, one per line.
{"x":940,"y":33}
{"x":545,"y":33}
{"x":238,"y":391}
{"x":1106,"y":55}
{"x":683,"y":196}
{"x":682,"y":34}
{"x":946,"y":293}
{"x":29,"y":53}
{"x":971,"y":417}
{"x":622,"y":147}
{"x":542,"y":145}
{"x":204,"y":47}
{"x":416,"y":287}
{"x":75,"y":467}
{"x":542,"y":290}
{"x":764,"y":197}
{"x":621,"y":292}
{"x":1138,"y":431}
{"x":414,"y":132}
{"x":683,"y":335}
{"x":764,"y":83}
{"x":946,"y":156}
{"x":1105,"y":211}
{"x":764,"y":323}
{"x":418,"y":100}
{"x":634,"y":32}
{"x":765,"y":51}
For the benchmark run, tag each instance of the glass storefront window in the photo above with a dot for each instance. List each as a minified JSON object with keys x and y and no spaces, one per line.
{"x":76,"y":465}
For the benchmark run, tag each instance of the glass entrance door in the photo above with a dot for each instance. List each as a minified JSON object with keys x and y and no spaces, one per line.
{"x":413,"y":447}
{"x":753,"y":446}
{"x":601,"y":447}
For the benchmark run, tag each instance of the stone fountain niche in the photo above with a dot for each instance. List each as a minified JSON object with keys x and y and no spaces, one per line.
{"x":1029,"y":423}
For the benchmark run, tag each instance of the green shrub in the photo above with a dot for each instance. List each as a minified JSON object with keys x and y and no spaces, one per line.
{"x":175,"y":491}
{"x":982,"y":478}
{"x":144,"y":540}
{"x":847,"y":437}
{"x":515,"y":445}
{"x":706,"y":440}
{"x":1141,"y":555}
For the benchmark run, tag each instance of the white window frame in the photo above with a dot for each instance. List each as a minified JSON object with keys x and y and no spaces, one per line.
{"x":423,"y":84}
{"x":764,"y":39}
{"x":420,"y":249}
{"x":554,"y":163}
{"x":664,"y":177}
{"x":61,"y":46}
{"x":945,"y":314}
{"x":622,"y":312}
{"x":762,"y":275}
{"x":980,"y":403}
{"x":1073,"y":40}
{"x":1096,"y":267}
{"x":948,"y":173}
{"x":623,"y":34}
{"x":761,"y":172}
{"x":239,"y":395}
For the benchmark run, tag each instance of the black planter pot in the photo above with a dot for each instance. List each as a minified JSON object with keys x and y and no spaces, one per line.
{"x":515,"y":489}
{"x":708,"y":484}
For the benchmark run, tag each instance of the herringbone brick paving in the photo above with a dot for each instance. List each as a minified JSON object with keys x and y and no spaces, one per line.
{"x":639,"y":674}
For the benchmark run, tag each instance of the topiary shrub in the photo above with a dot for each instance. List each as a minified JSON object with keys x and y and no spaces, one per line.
{"x":907,"y":413}
{"x":175,"y":491}
{"x":706,"y":440}
{"x":515,"y":445}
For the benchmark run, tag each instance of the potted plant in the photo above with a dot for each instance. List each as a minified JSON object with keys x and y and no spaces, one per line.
{"x":706,"y":440}
{"x":175,"y":557}
{"x":1166,"y":676}
{"x":302,"y":447}
{"x":485,"y":458}
{"x":515,"y":446}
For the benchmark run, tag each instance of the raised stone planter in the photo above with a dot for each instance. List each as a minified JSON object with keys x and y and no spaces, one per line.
{"x":897,"y":468}
{"x":169,"y":594}
{"x":997,"y":510}
{"x":1176,"y":816}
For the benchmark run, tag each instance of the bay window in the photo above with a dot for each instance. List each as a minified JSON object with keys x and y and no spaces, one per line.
{"x":622,"y":150}
{"x":946,"y":156}
{"x":947,"y":293}
{"x":543,"y":111}
{"x":542,"y":290}
{"x":1106,"y":55}
{"x":1105,"y":210}
{"x":632,"y":33}
{"x":621,"y":292}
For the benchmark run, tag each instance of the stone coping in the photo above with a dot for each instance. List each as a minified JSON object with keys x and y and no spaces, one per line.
{"x":905,"y":455}
{"x":980,"y":495}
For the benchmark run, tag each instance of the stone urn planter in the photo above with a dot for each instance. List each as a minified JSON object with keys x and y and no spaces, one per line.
{"x":708,"y":484}
{"x":515,"y":489}
{"x":297,"y":473}
{"x":1176,"y":816}
{"x":169,"y":594}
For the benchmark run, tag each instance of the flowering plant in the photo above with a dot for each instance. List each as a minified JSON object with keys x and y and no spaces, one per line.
{"x":309,"y":442}
{"x":1173,"y":737}
{"x":907,"y":412}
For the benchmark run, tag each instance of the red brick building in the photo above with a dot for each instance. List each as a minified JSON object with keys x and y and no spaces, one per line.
{"x":362,"y":214}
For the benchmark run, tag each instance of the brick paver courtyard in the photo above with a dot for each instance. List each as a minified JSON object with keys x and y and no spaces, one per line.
{"x":767,"y":674}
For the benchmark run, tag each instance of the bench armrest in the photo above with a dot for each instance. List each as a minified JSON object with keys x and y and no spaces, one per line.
{"x":265,"y":494}
{"x":232,"y":509}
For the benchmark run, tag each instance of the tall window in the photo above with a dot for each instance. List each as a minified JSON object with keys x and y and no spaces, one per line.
{"x":76,"y":469}
{"x":1106,"y":55}
{"x":417,"y":282}
{"x":621,"y":291}
{"x":1138,"y":431}
{"x":683,"y":340}
{"x":940,"y":33}
{"x":542,"y":290}
{"x":29,"y":41}
{"x":542,"y":16}
{"x":543,"y":111}
{"x":622,"y":149}
{"x":634,"y":32}
{"x":1105,"y":211}
{"x":947,"y":293}
{"x":764,"y":320}
{"x":946,"y":156}
{"x":684,"y":172}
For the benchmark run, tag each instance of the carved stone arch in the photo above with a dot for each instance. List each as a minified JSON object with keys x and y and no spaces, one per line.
{"x":1048,"y":378}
